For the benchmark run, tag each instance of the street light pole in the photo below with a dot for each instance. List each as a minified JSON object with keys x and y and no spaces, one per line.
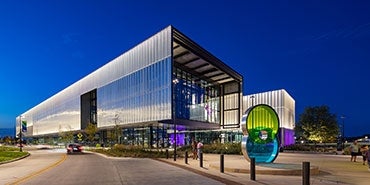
{"x":252,"y":97}
{"x":174,"y":133}
{"x":175,"y":81}
{"x":20,"y":133}
{"x":343,"y":138}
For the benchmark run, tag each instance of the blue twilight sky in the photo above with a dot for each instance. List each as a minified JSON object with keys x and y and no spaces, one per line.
{"x":319,"y":51}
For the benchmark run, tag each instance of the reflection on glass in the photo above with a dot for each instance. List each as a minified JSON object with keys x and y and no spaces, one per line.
{"x":127,"y":71}
{"x":196,"y":99}
{"x":139,"y":97}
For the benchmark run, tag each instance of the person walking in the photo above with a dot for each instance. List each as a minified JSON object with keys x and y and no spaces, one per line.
{"x":354,"y":150}
{"x":199,"y":148}
{"x":363,"y":150}
{"x":367,"y":155}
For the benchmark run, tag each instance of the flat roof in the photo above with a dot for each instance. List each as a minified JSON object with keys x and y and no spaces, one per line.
{"x":191,"y":57}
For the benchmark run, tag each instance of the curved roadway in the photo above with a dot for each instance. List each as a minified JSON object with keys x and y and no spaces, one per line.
{"x":89,"y":168}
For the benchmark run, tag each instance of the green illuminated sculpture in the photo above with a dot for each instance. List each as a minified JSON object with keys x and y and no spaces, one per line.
{"x":260,"y":126}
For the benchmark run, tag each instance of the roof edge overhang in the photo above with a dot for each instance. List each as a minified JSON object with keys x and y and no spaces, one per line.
{"x":192,"y":124}
{"x":186,"y":42}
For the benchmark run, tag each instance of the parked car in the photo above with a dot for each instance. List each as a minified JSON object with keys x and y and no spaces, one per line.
{"x":74,"y":148}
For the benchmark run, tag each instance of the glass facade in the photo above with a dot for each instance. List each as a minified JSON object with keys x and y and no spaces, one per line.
{"x":196,"y":100}
{"x":142,"y":92}
{"x":61,"y":112}
{"x":142,"y":96}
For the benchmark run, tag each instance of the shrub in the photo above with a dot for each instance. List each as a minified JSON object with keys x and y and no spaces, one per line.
{"x":8,"y":149}
{"x":299,"y":147}
{"x":9,"y":153}
{"x":226,"y":148}
{"x":119,"y":150}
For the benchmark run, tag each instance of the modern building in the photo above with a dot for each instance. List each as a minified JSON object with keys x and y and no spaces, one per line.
{"x":164,"y":87}
{"x":284,"y":106}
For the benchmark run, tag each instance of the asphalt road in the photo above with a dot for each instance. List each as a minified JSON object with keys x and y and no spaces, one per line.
{"x":38,"y":161}
{"x":55,"y":167}
{"x":93,"y":169}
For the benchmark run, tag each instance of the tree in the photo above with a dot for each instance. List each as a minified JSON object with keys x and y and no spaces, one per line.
{"x":91,"y":130}
{"x":7,"y":140}
{"x":115,"y":134}
{"x":66,"y":136}
{"x":317,"y":124}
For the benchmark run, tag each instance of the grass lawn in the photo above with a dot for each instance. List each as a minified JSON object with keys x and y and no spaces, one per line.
{"x":10,"y":153}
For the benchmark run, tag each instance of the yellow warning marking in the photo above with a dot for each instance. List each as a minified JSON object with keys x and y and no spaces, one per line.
{"x":23,"y":179}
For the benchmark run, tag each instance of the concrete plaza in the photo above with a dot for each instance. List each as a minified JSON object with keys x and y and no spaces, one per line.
{"x":325,"y":169}
{"x":286,"y":169}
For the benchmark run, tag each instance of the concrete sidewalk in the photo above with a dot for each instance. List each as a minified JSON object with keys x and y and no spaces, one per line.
{"x":287,"y":169}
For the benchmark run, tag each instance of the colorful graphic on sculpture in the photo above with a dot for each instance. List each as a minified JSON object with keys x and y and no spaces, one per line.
{"x":260,"y":125}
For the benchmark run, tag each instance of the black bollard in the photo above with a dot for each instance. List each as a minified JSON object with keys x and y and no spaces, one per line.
{"x":306,"y":173}
{"x":253,"y":169}
{"x":201,"y":159}
{"x":186,"y":157}
{"x":222,"y":163}
{"x":167,"y":154}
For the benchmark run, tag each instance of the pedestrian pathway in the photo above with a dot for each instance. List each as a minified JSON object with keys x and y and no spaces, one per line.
{"x":287,"y":169}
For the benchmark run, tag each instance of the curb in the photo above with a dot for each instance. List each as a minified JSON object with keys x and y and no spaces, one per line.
{"x":284,"y":172}
{"x":31,"y":175}
{"x":214,"y":177}
{"x":16,"y":159}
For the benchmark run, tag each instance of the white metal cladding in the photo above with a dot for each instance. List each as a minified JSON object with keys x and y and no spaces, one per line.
{"x":280,"y":100}
{"x":61,"y":112}
{"x":142,"y":96}
{"x":231,"y":102}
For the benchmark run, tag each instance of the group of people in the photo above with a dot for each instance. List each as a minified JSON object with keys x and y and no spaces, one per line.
{"x":355,"y":150}
{"x":196,"y":148}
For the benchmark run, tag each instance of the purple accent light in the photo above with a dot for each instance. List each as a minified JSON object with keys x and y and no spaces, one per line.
{"x":180,"y":139}
{"x":288,"y":136}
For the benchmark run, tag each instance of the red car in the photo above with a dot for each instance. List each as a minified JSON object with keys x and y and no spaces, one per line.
{"x":74,"y":148}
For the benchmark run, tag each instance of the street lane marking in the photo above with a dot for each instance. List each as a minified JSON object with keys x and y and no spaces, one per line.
{"x":23,"y":179}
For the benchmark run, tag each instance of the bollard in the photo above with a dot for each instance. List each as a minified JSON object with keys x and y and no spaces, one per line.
{"x":222,"y":163}
{"x":174,"y":155}
{"x":201,"y":159}
{"x":253,"y":169}
{"x":186,"y":157}
{"x":305,"y":173}
{"x":167,"y":154}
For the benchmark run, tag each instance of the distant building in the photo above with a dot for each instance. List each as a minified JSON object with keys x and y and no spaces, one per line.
{"x":283,"y":104}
